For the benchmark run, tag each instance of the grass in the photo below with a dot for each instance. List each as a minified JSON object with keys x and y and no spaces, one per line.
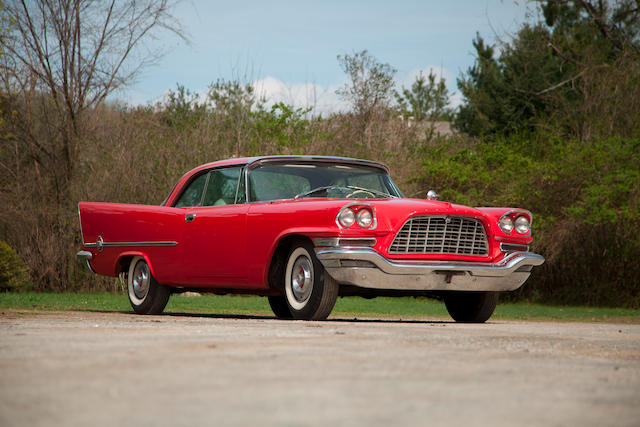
{"x":349,"y":307}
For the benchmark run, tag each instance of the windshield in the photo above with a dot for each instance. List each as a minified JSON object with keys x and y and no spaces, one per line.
{"x":302,"y":180}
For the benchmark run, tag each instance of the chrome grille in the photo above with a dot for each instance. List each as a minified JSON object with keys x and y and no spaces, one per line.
{"x":441,"y":235}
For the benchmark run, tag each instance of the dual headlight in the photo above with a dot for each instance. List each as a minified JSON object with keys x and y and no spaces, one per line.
{"x":363,"y":216}
{"x":522,"y":225}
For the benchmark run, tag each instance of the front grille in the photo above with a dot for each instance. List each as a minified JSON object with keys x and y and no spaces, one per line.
{"x":441,"y":235}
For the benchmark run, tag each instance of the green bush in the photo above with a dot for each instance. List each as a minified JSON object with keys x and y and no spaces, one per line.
{"x":14,"y":274}
{"x":585,"y":198}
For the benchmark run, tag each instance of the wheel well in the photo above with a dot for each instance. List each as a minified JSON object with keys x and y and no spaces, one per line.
{"x":279,"y":259}
{"x":123,"y":264}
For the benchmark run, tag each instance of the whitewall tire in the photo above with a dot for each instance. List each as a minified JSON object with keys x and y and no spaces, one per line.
{"x":146,"y":295}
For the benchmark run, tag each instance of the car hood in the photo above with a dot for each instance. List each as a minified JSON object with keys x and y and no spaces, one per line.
{"x":391,"y":214}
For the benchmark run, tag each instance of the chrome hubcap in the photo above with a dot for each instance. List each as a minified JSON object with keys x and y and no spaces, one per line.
{"x":302,"y":279}
{"x":141,"y":280}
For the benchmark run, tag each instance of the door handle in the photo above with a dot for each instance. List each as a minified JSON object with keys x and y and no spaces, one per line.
{"x":189,"y":217}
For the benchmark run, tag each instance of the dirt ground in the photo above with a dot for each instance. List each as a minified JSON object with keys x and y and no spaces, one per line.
{"x":112,"y":369}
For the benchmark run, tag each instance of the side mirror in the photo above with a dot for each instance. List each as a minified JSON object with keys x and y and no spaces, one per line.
{"x":432,"y":195}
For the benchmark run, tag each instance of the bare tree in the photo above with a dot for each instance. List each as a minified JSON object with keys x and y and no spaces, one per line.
{"x":61,"y":59}
{"x":370,"y":84}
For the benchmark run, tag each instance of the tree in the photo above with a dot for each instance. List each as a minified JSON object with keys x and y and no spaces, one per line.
{"x":62,"y":58}
{"x":574,"y":73}
{"x":370,"y":83}
{"x":427,"y":99}
{"x":232,"y":102}
{"x":60,"y":61}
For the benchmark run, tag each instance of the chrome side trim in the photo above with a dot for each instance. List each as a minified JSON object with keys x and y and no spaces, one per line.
{"x":372,"y":270}
{"x":513,"y":247}
{"x":334,"y":242}
{"x":84,"y":257}
{"x":126,"y":244}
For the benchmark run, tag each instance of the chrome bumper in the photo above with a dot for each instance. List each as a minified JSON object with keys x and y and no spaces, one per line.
{"x":84,"y":257}
{"x":368,"y":269}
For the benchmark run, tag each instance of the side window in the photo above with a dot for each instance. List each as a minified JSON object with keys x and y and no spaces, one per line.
{"x":193,"y":194}
{"x":222,"y":187}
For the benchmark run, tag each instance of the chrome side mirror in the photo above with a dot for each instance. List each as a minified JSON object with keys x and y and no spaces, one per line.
{"x":432,"y":195}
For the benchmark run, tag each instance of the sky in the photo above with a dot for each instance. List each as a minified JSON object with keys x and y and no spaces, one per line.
{"x":288,"y":49}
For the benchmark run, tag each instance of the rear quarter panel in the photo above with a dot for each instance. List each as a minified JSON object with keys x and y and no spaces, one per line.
{"x":118,"y":223}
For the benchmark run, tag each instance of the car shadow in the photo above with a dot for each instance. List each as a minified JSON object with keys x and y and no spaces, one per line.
{"x":263,"y":317}
{"x":332,"y":320}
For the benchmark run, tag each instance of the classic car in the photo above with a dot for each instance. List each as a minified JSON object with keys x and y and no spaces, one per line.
{"x":303,"y":230}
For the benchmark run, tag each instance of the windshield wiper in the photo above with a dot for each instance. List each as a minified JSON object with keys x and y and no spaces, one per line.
{"x":350,"y":187}
{"x":368,"y":190}
{"x":316,"y":190}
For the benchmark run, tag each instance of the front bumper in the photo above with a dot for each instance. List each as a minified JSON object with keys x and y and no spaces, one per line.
{"x":368,"y":269}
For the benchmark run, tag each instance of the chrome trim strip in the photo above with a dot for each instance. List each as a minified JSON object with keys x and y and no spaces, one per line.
{"x":334,"y":242}
{"x":426,"y":275}
{"x":80,"y":221}
{"x":127,"y":244}
{"x":204,"y":190}
{"x":513,"y":247}
{"x":84,"y":257}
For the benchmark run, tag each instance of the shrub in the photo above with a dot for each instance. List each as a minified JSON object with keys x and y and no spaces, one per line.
{"x":14,"y":274}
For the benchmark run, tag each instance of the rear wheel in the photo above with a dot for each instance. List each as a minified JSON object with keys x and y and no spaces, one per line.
{"x":310,"y":292}
{"x":471,"y":307}
{"x":145,"y":294}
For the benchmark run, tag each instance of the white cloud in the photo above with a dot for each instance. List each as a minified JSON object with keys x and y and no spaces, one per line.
{"x":323,"y":100}
{"x":456,"y":100}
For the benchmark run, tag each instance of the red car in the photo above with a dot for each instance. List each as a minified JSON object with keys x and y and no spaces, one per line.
{"x":302,"y":230}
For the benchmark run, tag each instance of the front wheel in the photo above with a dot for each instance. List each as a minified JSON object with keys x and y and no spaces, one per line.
{"x":145,"y":294}
{"x":279,"y":307}
{"x":471,"y":307}
{"x":310,"y":292}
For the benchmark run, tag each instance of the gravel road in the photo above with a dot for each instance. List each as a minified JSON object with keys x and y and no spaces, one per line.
{"x":113,"y":369}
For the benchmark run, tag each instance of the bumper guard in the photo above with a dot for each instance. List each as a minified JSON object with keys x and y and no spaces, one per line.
{"x":84,"y":257}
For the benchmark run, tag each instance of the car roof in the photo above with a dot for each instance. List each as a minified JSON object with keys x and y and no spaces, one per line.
{"x":256,"y":161}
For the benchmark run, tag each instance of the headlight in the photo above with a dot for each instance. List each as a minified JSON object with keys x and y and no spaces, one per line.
{"x":347,"y":218}
{"x":364,"y":218}
{"x":522,"y":225}
{"x":506,"y":224}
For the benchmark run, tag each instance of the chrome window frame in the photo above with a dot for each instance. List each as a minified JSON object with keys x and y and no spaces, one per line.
{"x":261,"y":161}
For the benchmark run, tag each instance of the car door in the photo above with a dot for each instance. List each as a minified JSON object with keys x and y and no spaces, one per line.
{"x":214,"y":237}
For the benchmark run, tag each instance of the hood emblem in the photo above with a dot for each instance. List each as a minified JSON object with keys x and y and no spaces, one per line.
{"x":447,"y":220}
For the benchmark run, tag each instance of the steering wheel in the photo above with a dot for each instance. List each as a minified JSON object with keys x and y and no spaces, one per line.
{"x":357,"y":193}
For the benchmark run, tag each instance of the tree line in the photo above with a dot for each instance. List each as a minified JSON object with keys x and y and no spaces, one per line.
{"x":549,"y":122}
